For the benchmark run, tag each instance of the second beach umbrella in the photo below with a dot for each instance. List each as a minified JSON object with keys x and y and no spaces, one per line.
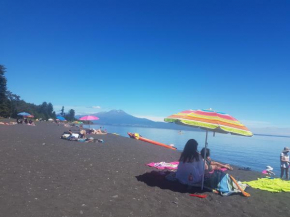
{"x":210,"y":120}
{"x":23,"y":114}
{"x":89,"y":118}
{"x":60,"y":118}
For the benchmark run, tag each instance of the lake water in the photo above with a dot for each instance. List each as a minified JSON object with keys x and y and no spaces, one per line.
{"x":255,"y":152}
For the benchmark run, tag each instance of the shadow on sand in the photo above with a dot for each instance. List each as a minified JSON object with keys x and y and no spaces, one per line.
{"x":157,"y":179}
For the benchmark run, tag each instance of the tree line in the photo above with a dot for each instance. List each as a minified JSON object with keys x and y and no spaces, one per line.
{"x":11,"y":104}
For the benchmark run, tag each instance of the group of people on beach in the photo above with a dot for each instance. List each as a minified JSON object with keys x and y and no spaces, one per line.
{"x":81,"y":135}
{"x":25,"y":121}
{"x":192,"y":164}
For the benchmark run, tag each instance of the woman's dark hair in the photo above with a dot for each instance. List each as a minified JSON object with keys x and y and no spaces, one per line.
{"x":190,"y":153}
{"x":207,"y":152}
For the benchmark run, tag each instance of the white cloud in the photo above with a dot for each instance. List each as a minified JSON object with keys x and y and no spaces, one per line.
{"x":96,"y":107}
{"x":152,"y":118}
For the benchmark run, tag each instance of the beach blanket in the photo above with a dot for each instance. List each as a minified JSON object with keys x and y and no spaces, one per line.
{"x":164,"y":165}
{"x":270,"y":184}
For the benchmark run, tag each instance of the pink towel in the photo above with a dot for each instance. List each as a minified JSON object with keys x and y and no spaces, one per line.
{"x":164,"y":165}
{"x":171,"y":166}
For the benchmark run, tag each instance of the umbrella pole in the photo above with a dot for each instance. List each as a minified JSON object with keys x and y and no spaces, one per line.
{"x":205,"y":145}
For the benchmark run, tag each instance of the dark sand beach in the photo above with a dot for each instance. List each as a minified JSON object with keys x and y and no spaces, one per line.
{"x":43,"y":175}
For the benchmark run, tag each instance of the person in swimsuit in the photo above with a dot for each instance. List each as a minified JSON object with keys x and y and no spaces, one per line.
{"x":213,"y":165}
{"x":284,"y":159}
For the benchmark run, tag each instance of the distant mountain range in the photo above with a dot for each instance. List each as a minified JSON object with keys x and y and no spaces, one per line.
{"x":121,"y":118}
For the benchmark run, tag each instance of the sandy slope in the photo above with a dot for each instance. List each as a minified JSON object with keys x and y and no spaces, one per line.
{"x":42,"y":175}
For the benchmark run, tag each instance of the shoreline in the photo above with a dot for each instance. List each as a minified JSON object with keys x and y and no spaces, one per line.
{"x":43,"y":175}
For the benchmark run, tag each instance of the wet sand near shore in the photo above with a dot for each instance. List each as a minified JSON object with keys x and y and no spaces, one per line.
{"x":43,"y":175}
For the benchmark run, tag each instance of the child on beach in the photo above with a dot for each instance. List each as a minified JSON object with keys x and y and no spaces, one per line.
{"x":284,"y":159}
{"x":213,"y":165}
{"x":269,"y":171}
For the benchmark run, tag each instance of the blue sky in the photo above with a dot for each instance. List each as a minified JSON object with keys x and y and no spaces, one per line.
{"x":151,"y":58}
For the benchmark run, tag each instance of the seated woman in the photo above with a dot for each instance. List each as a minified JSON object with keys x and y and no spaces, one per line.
{"x":213,"y":165}
{"x":191,"y":165}
{"x":82,"y":134}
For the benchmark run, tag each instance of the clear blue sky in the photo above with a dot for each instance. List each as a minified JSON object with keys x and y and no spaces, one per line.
{"x":151,"y":58}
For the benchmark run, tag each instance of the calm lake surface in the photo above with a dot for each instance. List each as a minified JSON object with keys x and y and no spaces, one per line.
{"x":255,"y":152}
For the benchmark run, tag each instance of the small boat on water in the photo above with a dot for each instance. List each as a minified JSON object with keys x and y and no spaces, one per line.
{"x":139,"y":137}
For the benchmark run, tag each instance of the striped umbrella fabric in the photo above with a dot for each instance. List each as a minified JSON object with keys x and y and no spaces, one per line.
{"x":210,"y":120}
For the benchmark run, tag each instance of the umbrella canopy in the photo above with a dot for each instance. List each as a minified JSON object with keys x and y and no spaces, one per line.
{"x":210,"y":120}
{"x":77,"y":122}
{"x":89,"y":118}
{"x":60,"y":118}
{"x":23,"y":114}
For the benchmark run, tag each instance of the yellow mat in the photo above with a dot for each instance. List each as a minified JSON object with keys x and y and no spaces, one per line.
{"x":272,"y":185}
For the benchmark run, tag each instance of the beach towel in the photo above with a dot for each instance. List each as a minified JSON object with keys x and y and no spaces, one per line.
{"x":164,"y":165}
{"x":270,"y":184}
{"x":171,"y":166}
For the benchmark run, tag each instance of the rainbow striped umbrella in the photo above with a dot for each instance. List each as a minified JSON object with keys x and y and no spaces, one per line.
{"x":210,"y":120}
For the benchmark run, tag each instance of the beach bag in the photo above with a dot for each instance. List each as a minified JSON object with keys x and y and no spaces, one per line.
{"x":225,"y":184}
{"x":65,"y":136}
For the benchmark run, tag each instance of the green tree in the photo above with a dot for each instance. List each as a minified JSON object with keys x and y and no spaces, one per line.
{"x":62,"y":111}
{"x":14,"y":101}
{"x":4,"y":103}
{"x":50,"y":110}
{"x":11,"y":104}
{"x":71,"y":115}
{"x":43,"y":109}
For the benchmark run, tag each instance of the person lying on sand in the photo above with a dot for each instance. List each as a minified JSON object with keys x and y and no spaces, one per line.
{"x":70,"y":135}
{"x":213,"y":165}
{"x":98,"y":132}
